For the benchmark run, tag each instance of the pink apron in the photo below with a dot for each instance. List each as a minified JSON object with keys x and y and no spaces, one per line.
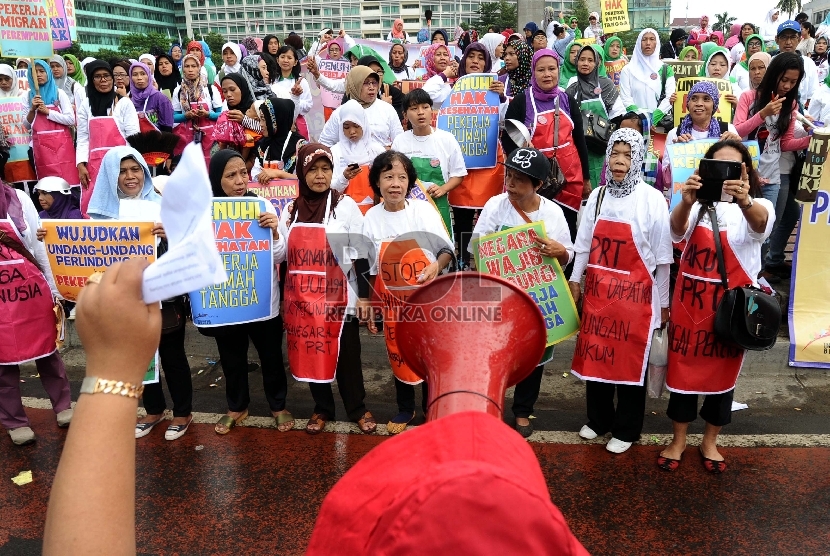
{"x":27,"y":316}
{"x":53,"y":149}
{"x":103,"y":135}
{"x":187,"y":131}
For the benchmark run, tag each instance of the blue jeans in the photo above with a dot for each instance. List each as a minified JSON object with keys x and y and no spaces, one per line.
{"x":784,"y":224}
{"x":770,"y":193}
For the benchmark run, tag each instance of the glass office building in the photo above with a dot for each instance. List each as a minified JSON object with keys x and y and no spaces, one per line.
{"x":101,"y":23}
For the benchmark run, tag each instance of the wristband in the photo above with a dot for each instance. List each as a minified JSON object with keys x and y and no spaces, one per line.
{"x":95,"y":385}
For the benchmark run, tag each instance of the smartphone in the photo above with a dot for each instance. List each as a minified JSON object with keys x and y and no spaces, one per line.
{"x":713,"y":173}
{"x":353,"y":166}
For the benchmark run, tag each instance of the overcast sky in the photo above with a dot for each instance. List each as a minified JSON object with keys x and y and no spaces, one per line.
{"x":744,"y":10}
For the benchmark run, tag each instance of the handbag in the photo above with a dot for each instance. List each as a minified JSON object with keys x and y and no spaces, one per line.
{"x":746,"y":317}
{"x":173,"y":314}
{"x":597,"y":129}
{"x":556,"y":179}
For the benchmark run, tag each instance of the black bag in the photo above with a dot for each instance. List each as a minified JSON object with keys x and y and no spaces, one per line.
{"x":556,"y":179}
{"x":667,"y":123}
{"x":597,"y":129}
{"x":746,"y":317}
{"x":173,"y":314}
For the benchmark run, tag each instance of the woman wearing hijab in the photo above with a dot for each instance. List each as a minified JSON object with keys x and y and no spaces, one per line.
{"x":671,"y":50}
{"x":614,"y":50}
{"x":567,"y":68}
{"x":229,"y":178}
{"x":234,"y":128}
{"x":643,"y":79}
{"x":440,"y":70}
{"x":819,"y":57}
{"x":541,"y":108}
{"x":517,"y":63}
{"x":270,"y":44}
{"x":249,"y":68}
{"x":689,"y":53}
{"x":494,"y":43}
{"x":769,"y":28}
{"x":74,"y":69}
{"x":398,"y":33}
{"x":276,"y":152}
{"x":208,"y":64}
{"x":362,"y":85}
{"x":167,"y":75}
{"x":734,"y":36}
{"x":55,"y":198}
{"x":50,"y":116}
{"x":740,"y":72}
{"x":325,"y":221}
{"x":594,"y":94}
{"x":633,"y":215}
{"x":231,"y":61}
{"x":176,"y":54}
{"x":28,"y":329}
{"x":717,"y":66}
{"x":62,"y":79}
{"x":439,"y":36}
{"x":736,"y":51}
{"x":195,"y":109}
{"x":154,"y":110}
{"x":398,"y":56}
{"x":9,"y":85}
{"x":758,"y":64}
{"x":530,"y":30}
{"x":594,"y":29}
{"x":700,"y":34}
{"x":323,"y":39}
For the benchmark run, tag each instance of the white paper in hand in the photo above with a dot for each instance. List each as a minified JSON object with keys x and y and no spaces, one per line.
{"x":192,"y":261}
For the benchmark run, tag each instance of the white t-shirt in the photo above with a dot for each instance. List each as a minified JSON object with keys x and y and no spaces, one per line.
{"x":302,"y":103}
{"x":418,"y":219}
{"x":741,"y":77}
{"x":498,"y":213}
{"x":440,"y":145}
{"x":382,"y":118}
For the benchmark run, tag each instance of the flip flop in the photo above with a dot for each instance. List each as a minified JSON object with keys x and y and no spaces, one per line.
{"x":316,"y":419}
{"x":229,"y":422}
{"x":283,"y":418}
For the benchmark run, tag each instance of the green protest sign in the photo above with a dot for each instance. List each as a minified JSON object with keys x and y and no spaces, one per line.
{"x":513,"y":254}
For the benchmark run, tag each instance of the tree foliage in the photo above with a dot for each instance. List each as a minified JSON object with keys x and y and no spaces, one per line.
{"x":581,"y":12}
{"x":215,"y":41}
{"x":502,"y":14}
{"x":134,"y":45}
{"x":724,"y":22}
{"x":789,"y":6}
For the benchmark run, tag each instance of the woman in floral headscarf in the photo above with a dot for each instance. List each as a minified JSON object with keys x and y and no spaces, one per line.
{"x":441,"y":72}
{"x":517,"y":59}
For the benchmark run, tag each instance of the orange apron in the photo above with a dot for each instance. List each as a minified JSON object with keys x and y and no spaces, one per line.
{"x":615,"y":332}
{"x":53,"y":149}
{"x":480,"y":185}
{"x":360,"y":191}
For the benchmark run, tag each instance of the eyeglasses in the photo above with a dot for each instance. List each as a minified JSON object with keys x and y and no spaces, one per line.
{"x":100,"y":78}
{"x":119,"y":75}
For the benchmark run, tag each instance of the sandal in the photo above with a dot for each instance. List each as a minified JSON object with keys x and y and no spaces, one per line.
{"x":399,"y":423}
{"x":282,"y":420}
{"x":667,"y":464}
{"x":367,"y":423}
{"x":712,"y":465}
{"x":229,"y":422}
{"x":316,"y":419}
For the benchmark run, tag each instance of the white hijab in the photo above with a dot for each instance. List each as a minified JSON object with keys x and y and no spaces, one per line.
{"x":770,"y":28}
{"x":491,"y":41}
{"x":364,"y":150}
{"x":6,"y":69}
{"x":643,"y":67}
{"x":236,"y":50}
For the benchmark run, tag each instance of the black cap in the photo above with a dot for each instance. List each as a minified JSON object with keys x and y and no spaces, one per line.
{"x":530,"y":162}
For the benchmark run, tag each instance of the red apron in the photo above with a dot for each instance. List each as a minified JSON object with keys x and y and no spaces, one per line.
{"x":698,"y":362}
{"x":360,"y":191}
{"x":480,"y":185}
{"x":145,"y":125}
{"x":26,"y":307}
{"x":103,"y":135}
{"x":615,"y":333}
{"x":186,"y":130}
{"x":54,"y":149}
{"x":565,"y":153}
{"x":399,"y":265}
{"x":316,"y":297}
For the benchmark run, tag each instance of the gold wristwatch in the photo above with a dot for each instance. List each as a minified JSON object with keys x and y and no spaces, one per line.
{"x":95,"y":385}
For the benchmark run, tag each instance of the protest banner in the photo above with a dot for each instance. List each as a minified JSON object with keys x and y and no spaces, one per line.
{"x":58,"y":24}
{"x":613,"y":69}
{"x":69,"y":7}
{"x":245,"y":248}
{"x":408,"y":84}
{"x":615,"y":16}
{"x":333,"y":69}
{"x":18,"y":168}
{"x":685,"y":158}
{"x":809,"y":310}
{"x":77,"y":248}
{"x":684,"y":85}
{"x":471,"y":114}
{"x":685,"y":68}
{"x":22,"y":80}
{"x":514,"y":255}
{"x":279,"y":192}
{"x":584,"y":41}
{"x":24,"y":29}
{"x":811,"y":174}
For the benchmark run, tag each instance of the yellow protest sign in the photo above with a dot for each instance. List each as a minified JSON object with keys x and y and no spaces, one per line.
{"x":615,"y":16}
{"x":77,"y":248}
{"x":684,"y":85}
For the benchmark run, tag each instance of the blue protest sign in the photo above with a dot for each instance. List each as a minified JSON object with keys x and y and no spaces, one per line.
{"x":471,"y":114}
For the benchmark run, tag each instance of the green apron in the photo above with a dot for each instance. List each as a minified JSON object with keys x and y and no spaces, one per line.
{"x":430,"y":174}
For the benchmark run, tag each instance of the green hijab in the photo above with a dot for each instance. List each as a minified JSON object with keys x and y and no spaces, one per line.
{"x":607,"y":49}
{"x":686,"y":50}
{"x":706,"y":50}
{"x":567,"y":70}
{"x":78,"y":76}
{"x":745,"y":58}
{"x":359,"y":51}
{"x":712,"y":52}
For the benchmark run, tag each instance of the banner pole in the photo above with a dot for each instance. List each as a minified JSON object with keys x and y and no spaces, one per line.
{"x":33,"y":69}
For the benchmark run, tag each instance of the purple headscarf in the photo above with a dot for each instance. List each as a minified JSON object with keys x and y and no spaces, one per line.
{"x":10,"y":207}
{"x":62,"y":208}
{"x":478,"y":47}
{"x":537,"y":90}
{"x":544,"y":100}
{"x":137,"y":95}
{"x":707,"y":88}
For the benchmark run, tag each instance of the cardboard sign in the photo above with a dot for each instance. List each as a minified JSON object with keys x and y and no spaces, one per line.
{"x":615,"y":16}
{"x":25,"y":29}
{"x":245,"y":248}
{"x":333,"y":69}
{"x":279,"y":192}
{"x":614,"y":69}
{"x":58,"y":24}
{"x":684,"y":85}
{"x":685,"y":158}
{"x":808,"y":186}
{"x":77,"y":248}
{"x":471,"y":114}
{"x":69,"y":7}
{"x":685,"y":68}
{"x":409,"y":84}
{"x":514,"y":255}
{"x":12,"y":114}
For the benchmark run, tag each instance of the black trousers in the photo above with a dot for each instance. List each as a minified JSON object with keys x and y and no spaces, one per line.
{"x":570,"y":218}
{"x":233,"y":353}
{"x":176,"y":373}
{"x":716,"y":410}
{"x":405,"y":395}
{"x":463,"y":230}
{"x":626,"y":421}
{"x":527,"y":392}
{"x":349,"y":376}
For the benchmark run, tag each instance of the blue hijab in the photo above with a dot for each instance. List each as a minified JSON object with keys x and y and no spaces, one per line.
{"x":105,"y":204}
{"x":49,"y":90}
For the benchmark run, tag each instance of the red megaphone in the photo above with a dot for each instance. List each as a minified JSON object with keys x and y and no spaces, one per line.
{"x":472,"y":337}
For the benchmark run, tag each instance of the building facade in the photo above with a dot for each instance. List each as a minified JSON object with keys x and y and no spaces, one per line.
{"x":101,"y":23}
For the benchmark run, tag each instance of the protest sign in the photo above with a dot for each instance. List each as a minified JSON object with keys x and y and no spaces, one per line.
{"x":24,"y":29}
{"x":333,"y":69}
{"x":685,"y":158}
{"x":408,"y":84}
{"x":18,"y":168}
{"x":684,"y":85}
{"x":584,"y":41}
{"x":809,"y":311}
{"x":279,"y":192}
{"x":811,"y":174}
{"x":685,"y":68}
{"x":77,"y":248}
{"x":613,"y":69}
{"x":514,"y":255}
{"x":471,"y":114}
{"x":22,"y":80}
{"x":58,"y":24}
{"x":615,"y":16}
{"x":69,"y":7}
{"x":420,"y":192}
{"x":245,"y":248}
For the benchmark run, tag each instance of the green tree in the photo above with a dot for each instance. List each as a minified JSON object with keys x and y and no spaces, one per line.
{"x":134,"y":45}
{"x":580,"y":12}
{"x":789,"y":6}
{"x":75,"y":50}
{"x":724,"y":22}
{"x":502,"y":14}
{"x":215,"y":41}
